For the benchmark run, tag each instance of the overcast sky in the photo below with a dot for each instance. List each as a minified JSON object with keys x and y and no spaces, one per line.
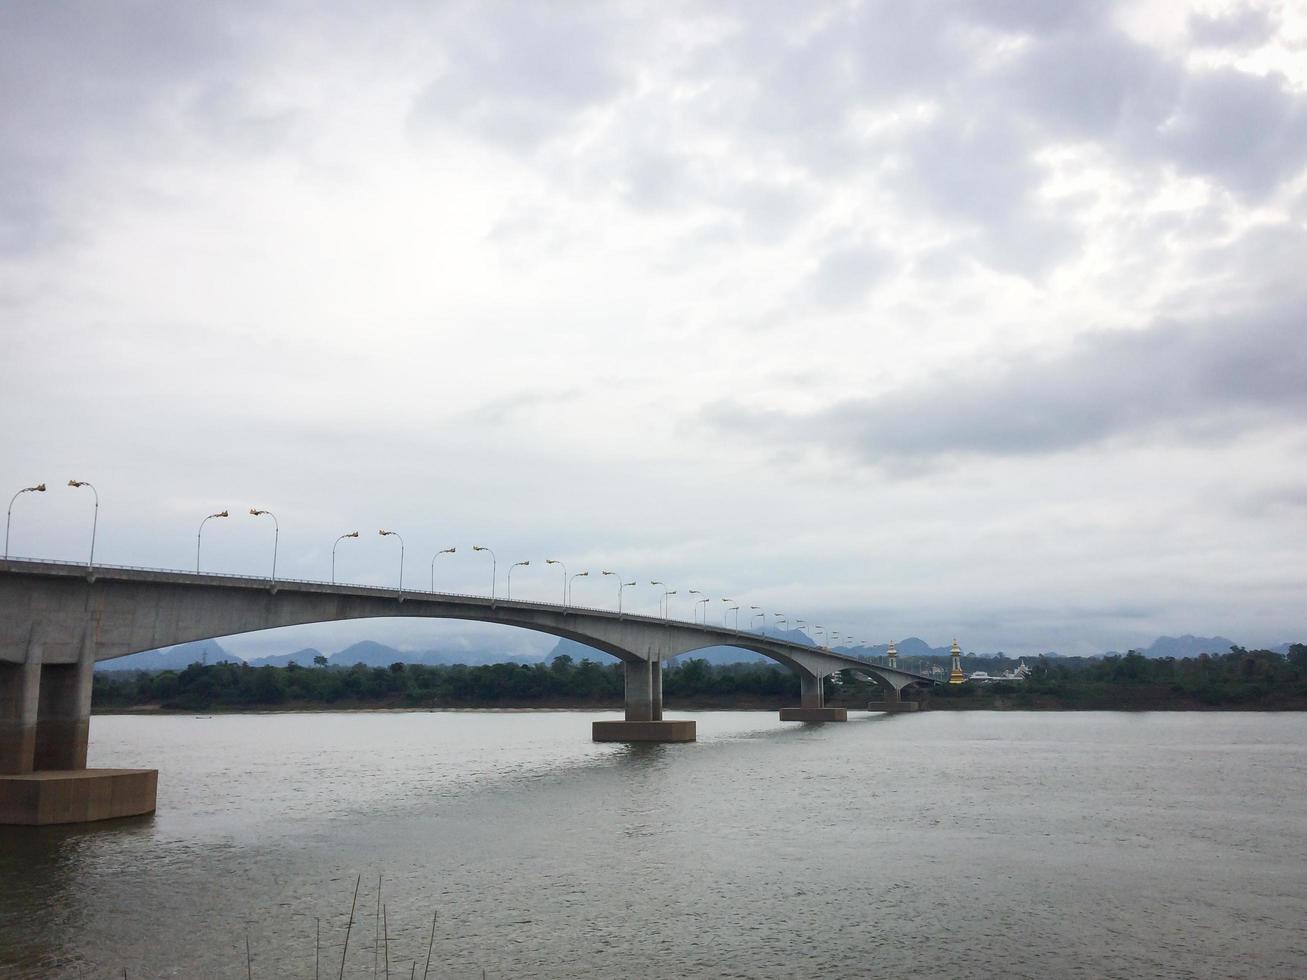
{"x":981,"y":318}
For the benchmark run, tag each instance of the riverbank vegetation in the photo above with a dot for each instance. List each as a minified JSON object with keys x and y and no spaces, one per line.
{"x":561,"y":683}
{"x":1245,"y":679}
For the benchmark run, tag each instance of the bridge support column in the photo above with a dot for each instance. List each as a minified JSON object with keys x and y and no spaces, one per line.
{"x":812,"y":701}
{"x":45,"y":719}
{"x":20,"y":686}
{"x":644,"y":710}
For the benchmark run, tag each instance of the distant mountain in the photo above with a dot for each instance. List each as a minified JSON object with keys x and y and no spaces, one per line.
{"x":173,"y":658}
{"x":302,"y":657}
{"x":1182,"y":647}
{"x":374,"y":654}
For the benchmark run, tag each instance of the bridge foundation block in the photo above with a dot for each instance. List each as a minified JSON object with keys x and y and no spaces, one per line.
{"x":814,"y":714}
{"x":54,"y":796}
{"x":645,"y":731}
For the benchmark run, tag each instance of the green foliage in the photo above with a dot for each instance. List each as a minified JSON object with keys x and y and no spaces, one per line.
{"x":1239,"y":679}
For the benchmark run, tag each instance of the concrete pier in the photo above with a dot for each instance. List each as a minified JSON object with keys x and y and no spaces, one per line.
{"x":45,"y":721}
{"x":644,"y":710}
{"x":812,"y":703}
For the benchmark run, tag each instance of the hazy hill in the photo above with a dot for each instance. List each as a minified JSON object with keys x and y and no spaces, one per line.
{"x":302,"y":657}
{"x":173,"y":658}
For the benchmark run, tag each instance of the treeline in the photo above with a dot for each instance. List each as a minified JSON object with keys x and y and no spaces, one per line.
{"x":1253,"y":679}
{"x":563,"y":682}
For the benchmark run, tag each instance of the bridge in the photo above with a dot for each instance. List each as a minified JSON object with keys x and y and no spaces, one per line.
{"x":57,"y":620}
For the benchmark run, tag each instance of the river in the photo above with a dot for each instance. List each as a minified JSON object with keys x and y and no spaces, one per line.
{"x":946,"y":844}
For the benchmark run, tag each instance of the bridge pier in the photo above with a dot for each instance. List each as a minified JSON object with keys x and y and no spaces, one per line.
{"x":644,"y":710}
{"x":812,"y":703}
{"x":45,"y":720}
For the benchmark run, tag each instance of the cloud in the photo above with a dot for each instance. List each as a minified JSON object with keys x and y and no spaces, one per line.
{"x":1205,"y":382}
{"x":518,"y":74}
{"x":1242,"y":27}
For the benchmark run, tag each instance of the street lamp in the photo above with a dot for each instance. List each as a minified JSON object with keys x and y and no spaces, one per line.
{"x":221,"y":513}
{"x":352,"y":534}
{"x":736,"y":610}
{"x":443,"y":551}
{"x":704,"y":602}
{"x":570,"y":581}
{"x":395,"y":534}
{"x":95,"y":518}
{"x":833,"y":637}
{"x":667,"y":601}
{"x":780,"y":618}
{"x":725,"y":611}
{"x":799,"y":625}
{"x":276,"y":535}
{"x":553,"y":561}
{"x":493,"y":566}
{"x":694,"y":603}
{"x":757,"y":611}
{"x":39,"y":488}
{"x":516,"y":564}
{"x":619,"y":590}
{"x":822,"y":631}
{"x":663,"y":599}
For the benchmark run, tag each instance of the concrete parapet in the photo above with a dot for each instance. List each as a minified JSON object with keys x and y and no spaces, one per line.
{"x":54,"y":796}
{"x":893,"y":707}
{"x":814,"y":714}
{"x":644,"y":731}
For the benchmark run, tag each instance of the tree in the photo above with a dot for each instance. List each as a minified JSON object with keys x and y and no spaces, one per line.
{"x":319,"y":660}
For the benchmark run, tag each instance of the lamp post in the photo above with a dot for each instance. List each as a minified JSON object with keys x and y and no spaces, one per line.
{"x":756,"y":612}
{"x":276,"y":536}
{"x":667,"y":600}
{"x":694,"y":606}
{"x":704,"y":602}
{"x":833,"y":637}
{"x":619,"y":589}
{"x":822,"y":631}
{"x":660,"y":601}
{"x":221,"y":513}
{"x":516,"y":564}
{"x":443,"y":551}
{"x":570,"y":581}
{"x":395,"y":534}
{"x":780,"y":618}
{"x":736,"y":610}
{"x":493,"y":566}
{"x":799,"y":625}
{"x":726,"y":610}
{"x":95,"y":519}
{"x":352,"y":534}
{"x":39,"y":488}
{"x":554,"y":561}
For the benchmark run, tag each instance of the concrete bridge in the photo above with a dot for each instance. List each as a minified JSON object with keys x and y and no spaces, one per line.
{"x":58,"y":620}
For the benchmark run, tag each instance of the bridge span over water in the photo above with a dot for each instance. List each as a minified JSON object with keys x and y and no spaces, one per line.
{"x":58,"y":620}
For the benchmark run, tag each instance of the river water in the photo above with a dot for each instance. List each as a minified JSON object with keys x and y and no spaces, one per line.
{"x":946,"y":844}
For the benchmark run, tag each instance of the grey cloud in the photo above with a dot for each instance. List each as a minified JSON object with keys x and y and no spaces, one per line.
{"x":517,"y":73}
{"x":845,"y":274}
{"x":1194,"y":381}
{"x":501,"y":411}
{"x":1244,"y":27}
{"x":1247,"y":131}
